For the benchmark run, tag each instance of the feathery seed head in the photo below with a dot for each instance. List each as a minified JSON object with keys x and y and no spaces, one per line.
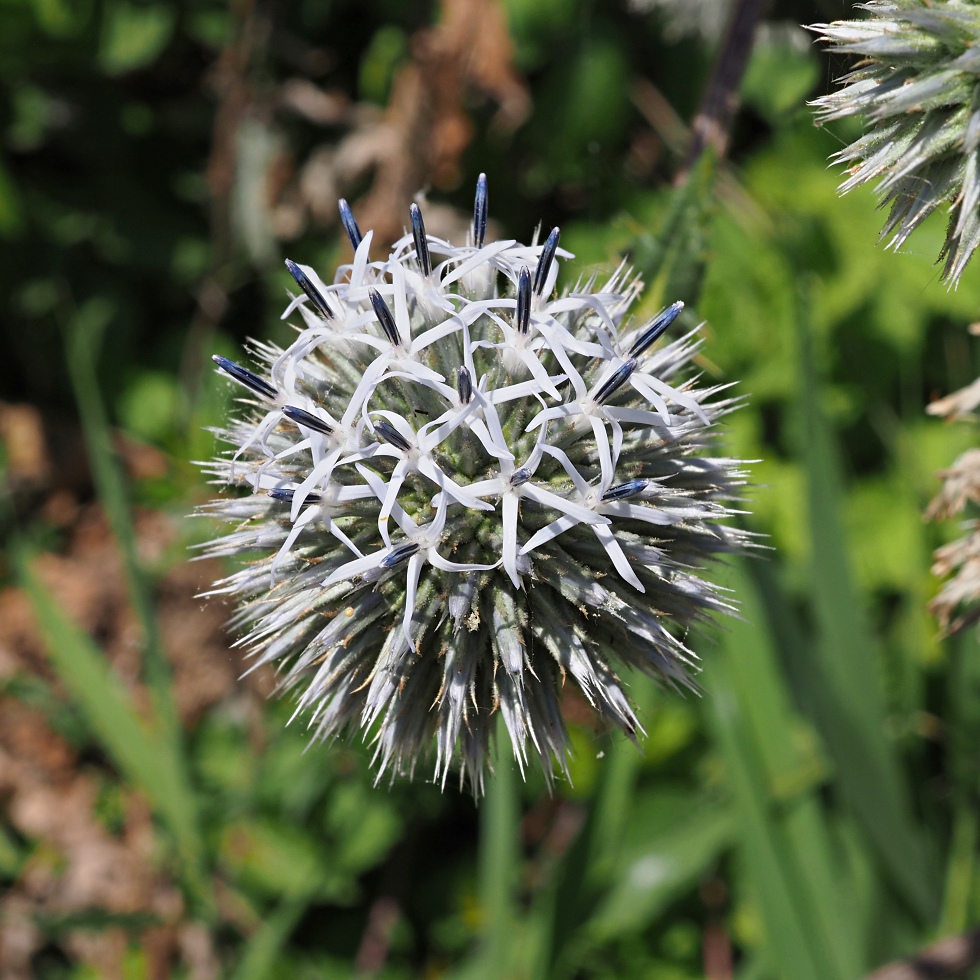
{"x":918,"y":87}
{"x":424,"y":554}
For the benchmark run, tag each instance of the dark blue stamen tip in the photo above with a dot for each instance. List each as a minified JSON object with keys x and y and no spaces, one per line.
{"x":657,"y":326}
{"x":519,"y":477}
{"x":350,"y":225}
{"x":314,"y":294}
{"x":480,"y":211}
{"x":611,"y":385}
{"x":421,"y":242}
{"x":464,"y":384}
{"x":397,"y":555}
{"x":523,"y":301}
{"x":245,"y":377}
{"x":544,"y":262}
{"x":623,"y":490}
{"x":301,"y":417}
{"x":286,"y":494}
{"x":392,"y":436}
{"x":385,"y":318}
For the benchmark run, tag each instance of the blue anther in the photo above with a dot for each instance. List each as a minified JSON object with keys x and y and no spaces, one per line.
{"x":421,"y":242}
{"x":286,"y":494}
{"x":350,"y":225}
{"x":657,"y":326}
{"x":464,"y":385}
{"x":245,"y":377}
{"x":392,"y":436}
{"x":301,"y":417}
{"x":523,"y":318}
{"x":397,"y":555}
{"x":545,"y":260}
{"x":480,"y":211}
{"x":385,"y":318}
{"x":315,"y":296}
{"x":623,"y":490}
{"x":611,"y":385}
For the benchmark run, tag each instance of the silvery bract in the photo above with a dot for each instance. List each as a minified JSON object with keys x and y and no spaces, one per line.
{"x":918,"y":87}
{"x":457,"y":493}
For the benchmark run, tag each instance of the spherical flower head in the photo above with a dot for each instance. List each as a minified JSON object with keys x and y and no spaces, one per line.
{"x":918,"y":87}
{"x":456,"y":492}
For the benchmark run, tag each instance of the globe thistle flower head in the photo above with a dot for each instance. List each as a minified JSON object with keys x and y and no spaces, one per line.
{"x":918,"y":87}
{"x":457,"y":491}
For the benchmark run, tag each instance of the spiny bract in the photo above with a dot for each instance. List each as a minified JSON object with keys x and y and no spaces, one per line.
{"x":918,"y":85}
{"x":464,"y":490}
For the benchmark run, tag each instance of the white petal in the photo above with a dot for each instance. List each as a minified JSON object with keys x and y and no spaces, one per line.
{"x":627,"y":511}
{"x":548,"y":533}
{"x":556,"y":412}
{"x":350,"y":570}
{"x":437,"y":561}
{"x":359,"y":266}
{"x":564,"y":506}
{"x":510,"y":506}
{"x":391,"y":496}
{"x":402,"y":322}
{"x":606,"y":465}
{"x":475,"y":261}
{"x":580,"y":482}
{"x":321,"y":471}
{"x":617,"y":557}
{"x":411,"y":591}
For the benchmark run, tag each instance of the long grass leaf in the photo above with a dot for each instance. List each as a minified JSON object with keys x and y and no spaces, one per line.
{"x":265,"y":947}
{"x":848,"y":702}
{"x":667,"y":866}
{"x":500,"y":844}
{"x":142,"y":757}
{"x":82,"y":339}
{"x":582,"y":877}
{"x":775,"y":776}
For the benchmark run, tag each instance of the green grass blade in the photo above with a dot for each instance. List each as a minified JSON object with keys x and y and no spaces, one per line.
{"x":147,"y":761}
{"x":775,"y":773}
{"x":960,"y":871}
{"x":583,"y":875}
{"x":670,"y":864}
{"x":500,"y":852}
{"x":265,"y":947}
{"x":848,"y":703}
{"x":82,"y":338}
{"x":673,"y":259}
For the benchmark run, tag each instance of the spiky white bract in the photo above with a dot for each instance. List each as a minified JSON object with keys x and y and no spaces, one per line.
{"x":456,"y":490}
{"x":918,"y":86}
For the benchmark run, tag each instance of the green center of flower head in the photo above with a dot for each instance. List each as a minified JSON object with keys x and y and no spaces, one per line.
{"x":465,"y":490}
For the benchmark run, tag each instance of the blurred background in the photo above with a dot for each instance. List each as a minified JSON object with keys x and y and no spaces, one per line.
{"x":812,"y":816}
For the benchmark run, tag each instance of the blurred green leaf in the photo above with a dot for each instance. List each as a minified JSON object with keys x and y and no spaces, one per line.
{"x":280,"y":860}
{"x":61,"y":18}
{"x":364,"y":825}
{"x":148,"y":405}
{"x":811,"y":926}
{"x":661,"y":864}
{"x":133,"y":35}
{"x":148,"y":761}
{"x":11,"y":856}
{"x":588,"y":867}
{"x":782,"y":72}
{"x":499,"y":858}
{"x":83,"y":339}
{"x":388,"y":48}
{"x":849,"y":708}
{"x":11,"y":209}
{"x":264,"y":949}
